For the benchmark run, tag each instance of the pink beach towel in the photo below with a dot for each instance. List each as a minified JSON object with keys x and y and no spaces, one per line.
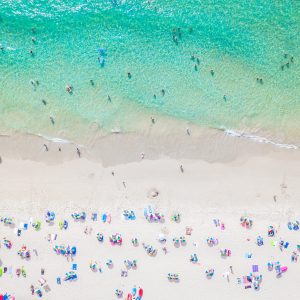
{"x":284,"y":269}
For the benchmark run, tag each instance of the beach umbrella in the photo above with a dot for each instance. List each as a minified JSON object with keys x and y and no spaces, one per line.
{"x":162,"y":237}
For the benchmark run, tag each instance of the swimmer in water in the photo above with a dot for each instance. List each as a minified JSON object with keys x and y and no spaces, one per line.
{"x":92,"y":82}
{"x":69,"y":88}
{"x":212,"y":72}
{"x":129,"y":75}
{"x":52,"y":120}
{"x":163,"y":92}
{"x":179,"y":33}
{"x":44,"y":102}
{"x":33,"y":39}
{"x":108,"y":98}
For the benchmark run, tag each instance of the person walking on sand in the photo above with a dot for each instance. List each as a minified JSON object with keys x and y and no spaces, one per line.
{"x":181,"y":169}
{"x":78,"y":152}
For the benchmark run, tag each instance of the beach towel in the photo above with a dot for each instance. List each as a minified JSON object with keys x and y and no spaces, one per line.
{"x":10,"y":270}
{"x":104,"y":217}
{"x":255,"y":268}
{"x":284,"y":269}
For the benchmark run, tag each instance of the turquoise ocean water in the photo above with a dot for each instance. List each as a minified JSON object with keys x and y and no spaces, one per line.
{"x":159,"y":43}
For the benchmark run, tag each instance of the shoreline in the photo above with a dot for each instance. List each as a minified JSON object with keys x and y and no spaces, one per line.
{"x":170,"y":140}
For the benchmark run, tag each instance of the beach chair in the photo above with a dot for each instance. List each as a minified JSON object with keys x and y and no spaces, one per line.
{"x":94,"y":216}
{"x":42,"y":281}
{"x":47,"y":288}
{"x":188,"y":230}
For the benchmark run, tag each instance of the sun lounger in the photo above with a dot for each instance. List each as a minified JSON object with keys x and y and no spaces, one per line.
{"x":42,"y":281}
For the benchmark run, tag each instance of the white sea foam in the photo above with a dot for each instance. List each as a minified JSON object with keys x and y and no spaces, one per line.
{"x":11,"y":49}
{"x":258,"y":139}
{"x":59,"y":140}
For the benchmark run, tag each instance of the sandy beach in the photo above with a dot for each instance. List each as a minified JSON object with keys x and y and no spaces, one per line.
{"x":149,"y":150}
{"x":263,"y":187}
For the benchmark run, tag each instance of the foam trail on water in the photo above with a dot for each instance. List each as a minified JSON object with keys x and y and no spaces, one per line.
{"x":258,"y":139}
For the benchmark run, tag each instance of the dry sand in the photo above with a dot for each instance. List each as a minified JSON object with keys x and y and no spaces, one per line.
{"x":225,"y":180}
